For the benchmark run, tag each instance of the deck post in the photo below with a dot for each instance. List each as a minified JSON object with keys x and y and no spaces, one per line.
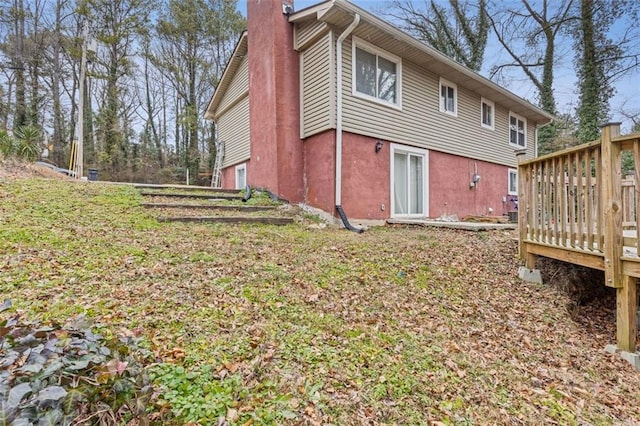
{"x":523,"y":203}
{"x":612,"y":195}
{"x":626,"y":314}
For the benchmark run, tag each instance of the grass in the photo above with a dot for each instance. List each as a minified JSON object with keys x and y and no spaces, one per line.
{"x":289,"y":325}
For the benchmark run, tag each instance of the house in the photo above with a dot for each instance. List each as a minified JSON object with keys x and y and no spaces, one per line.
{"x":332,"y":106}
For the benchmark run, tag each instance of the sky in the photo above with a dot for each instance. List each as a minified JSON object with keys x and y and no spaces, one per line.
{"x":627,"y":92}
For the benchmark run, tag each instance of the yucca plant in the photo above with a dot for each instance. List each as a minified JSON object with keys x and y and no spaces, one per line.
{"x":7,"y":144}
{"x":28,"y":138}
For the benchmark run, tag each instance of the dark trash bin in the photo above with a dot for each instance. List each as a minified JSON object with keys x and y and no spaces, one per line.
{"x":93,"y":174}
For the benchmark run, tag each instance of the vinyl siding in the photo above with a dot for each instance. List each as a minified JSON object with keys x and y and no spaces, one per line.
{"x":238,"y":87}
{"x":232,"y":117}
{"x":317,"y":88}
{"x":233,"y":129}
{"x":307,"y":32}
{"x":421,"y":124}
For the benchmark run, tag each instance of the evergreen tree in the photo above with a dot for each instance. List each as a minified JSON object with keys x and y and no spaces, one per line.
{"x":117,"y":25}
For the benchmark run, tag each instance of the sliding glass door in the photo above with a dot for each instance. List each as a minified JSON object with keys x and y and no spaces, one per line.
{"x":409,"y":182}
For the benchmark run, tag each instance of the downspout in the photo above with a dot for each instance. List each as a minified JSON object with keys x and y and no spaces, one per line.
{"x":341,"y":38}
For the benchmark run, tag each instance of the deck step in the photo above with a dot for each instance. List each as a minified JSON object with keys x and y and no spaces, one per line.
{"x":185,"y":188}
{"x":228,"y":219}
{"x":209,"y":207}
{"x":217,"y":196}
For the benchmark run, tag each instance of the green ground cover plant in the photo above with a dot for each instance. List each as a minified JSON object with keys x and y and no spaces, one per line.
{"x":259,"y":324}
{"x":62,"y":375}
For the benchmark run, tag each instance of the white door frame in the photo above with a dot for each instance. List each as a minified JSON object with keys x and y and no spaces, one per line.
{"x":405,"y":149}
{"x":241,"y":167}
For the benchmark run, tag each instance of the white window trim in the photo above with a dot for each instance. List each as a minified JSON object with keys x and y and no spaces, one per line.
{"x":361,"y":44}
{"x":510,"y":172}
{"x":444,"y":82}
{"x":493,"y":113}
{"x":239,"y":167}
{"x":524,"y":120}
{"x":425,"y":184}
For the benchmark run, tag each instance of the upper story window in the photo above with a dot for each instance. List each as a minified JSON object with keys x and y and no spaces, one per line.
{"x":448,"y":97}
{"x":487,"y":113}
{"x":376,"y":74}
{"x":517,"y":131}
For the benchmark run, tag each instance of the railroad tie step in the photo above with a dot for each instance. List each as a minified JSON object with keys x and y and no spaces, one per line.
{"x":228,"y":219}
{"x":217,"y":196}
{"x":237,"y":207}
{"x":187,"y":188}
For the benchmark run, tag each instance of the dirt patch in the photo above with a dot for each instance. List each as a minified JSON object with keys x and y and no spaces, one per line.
{"x":591,"y":304}
{"x":581,"y":284}
{"x":13,"y":169}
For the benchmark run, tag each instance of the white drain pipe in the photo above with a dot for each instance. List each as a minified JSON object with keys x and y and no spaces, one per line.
{"x":344,"y":35}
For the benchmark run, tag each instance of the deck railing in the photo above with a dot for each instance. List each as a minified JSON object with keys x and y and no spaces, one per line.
{"x":629,"y":218}
{"x":562,"y":198}
{"x":575,"y":206}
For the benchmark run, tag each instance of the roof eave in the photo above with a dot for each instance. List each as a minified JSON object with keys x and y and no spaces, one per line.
{"x":227,"y":75}
{"x":311,"y":12}
{"x":330,"y":8}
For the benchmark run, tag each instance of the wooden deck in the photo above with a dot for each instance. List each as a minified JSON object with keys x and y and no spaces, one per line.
{"x":575,"y":206}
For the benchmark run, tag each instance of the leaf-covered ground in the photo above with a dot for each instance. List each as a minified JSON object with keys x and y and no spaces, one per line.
{"x":317,"y":326}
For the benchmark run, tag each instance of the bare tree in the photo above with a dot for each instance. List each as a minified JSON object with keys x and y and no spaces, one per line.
{"x":459,"y":32}
{"x":195,"y":39}
{"x":152,"y":102}
{"x":17,"y":60}
{"x":34,"y":44}
{"x":54,"y":56}
{"x":529,"y":32}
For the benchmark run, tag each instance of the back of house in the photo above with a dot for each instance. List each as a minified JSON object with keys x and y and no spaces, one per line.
{"x":332,"y":106}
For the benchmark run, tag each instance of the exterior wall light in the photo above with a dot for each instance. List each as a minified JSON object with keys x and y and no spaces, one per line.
{"x":474,"y":181}
{"x":378,"y":146}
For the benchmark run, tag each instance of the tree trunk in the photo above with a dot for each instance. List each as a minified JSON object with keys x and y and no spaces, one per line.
{"x":151,"y":116}
{"x":18,"y":64}
{"x":192,"y":120}
{"x":588,"y":128}
{"x":35,"y":53}
{"x":57,"y":141}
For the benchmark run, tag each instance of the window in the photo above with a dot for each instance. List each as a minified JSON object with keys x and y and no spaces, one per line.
{"x":448,"y":97}
{"x":241,"y":176}
{"x":517,"y":131}
{"x":513,"y":182}
{"x":409,"y":196}
{"x":487,"y":113}
{"x":376,"y":74}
